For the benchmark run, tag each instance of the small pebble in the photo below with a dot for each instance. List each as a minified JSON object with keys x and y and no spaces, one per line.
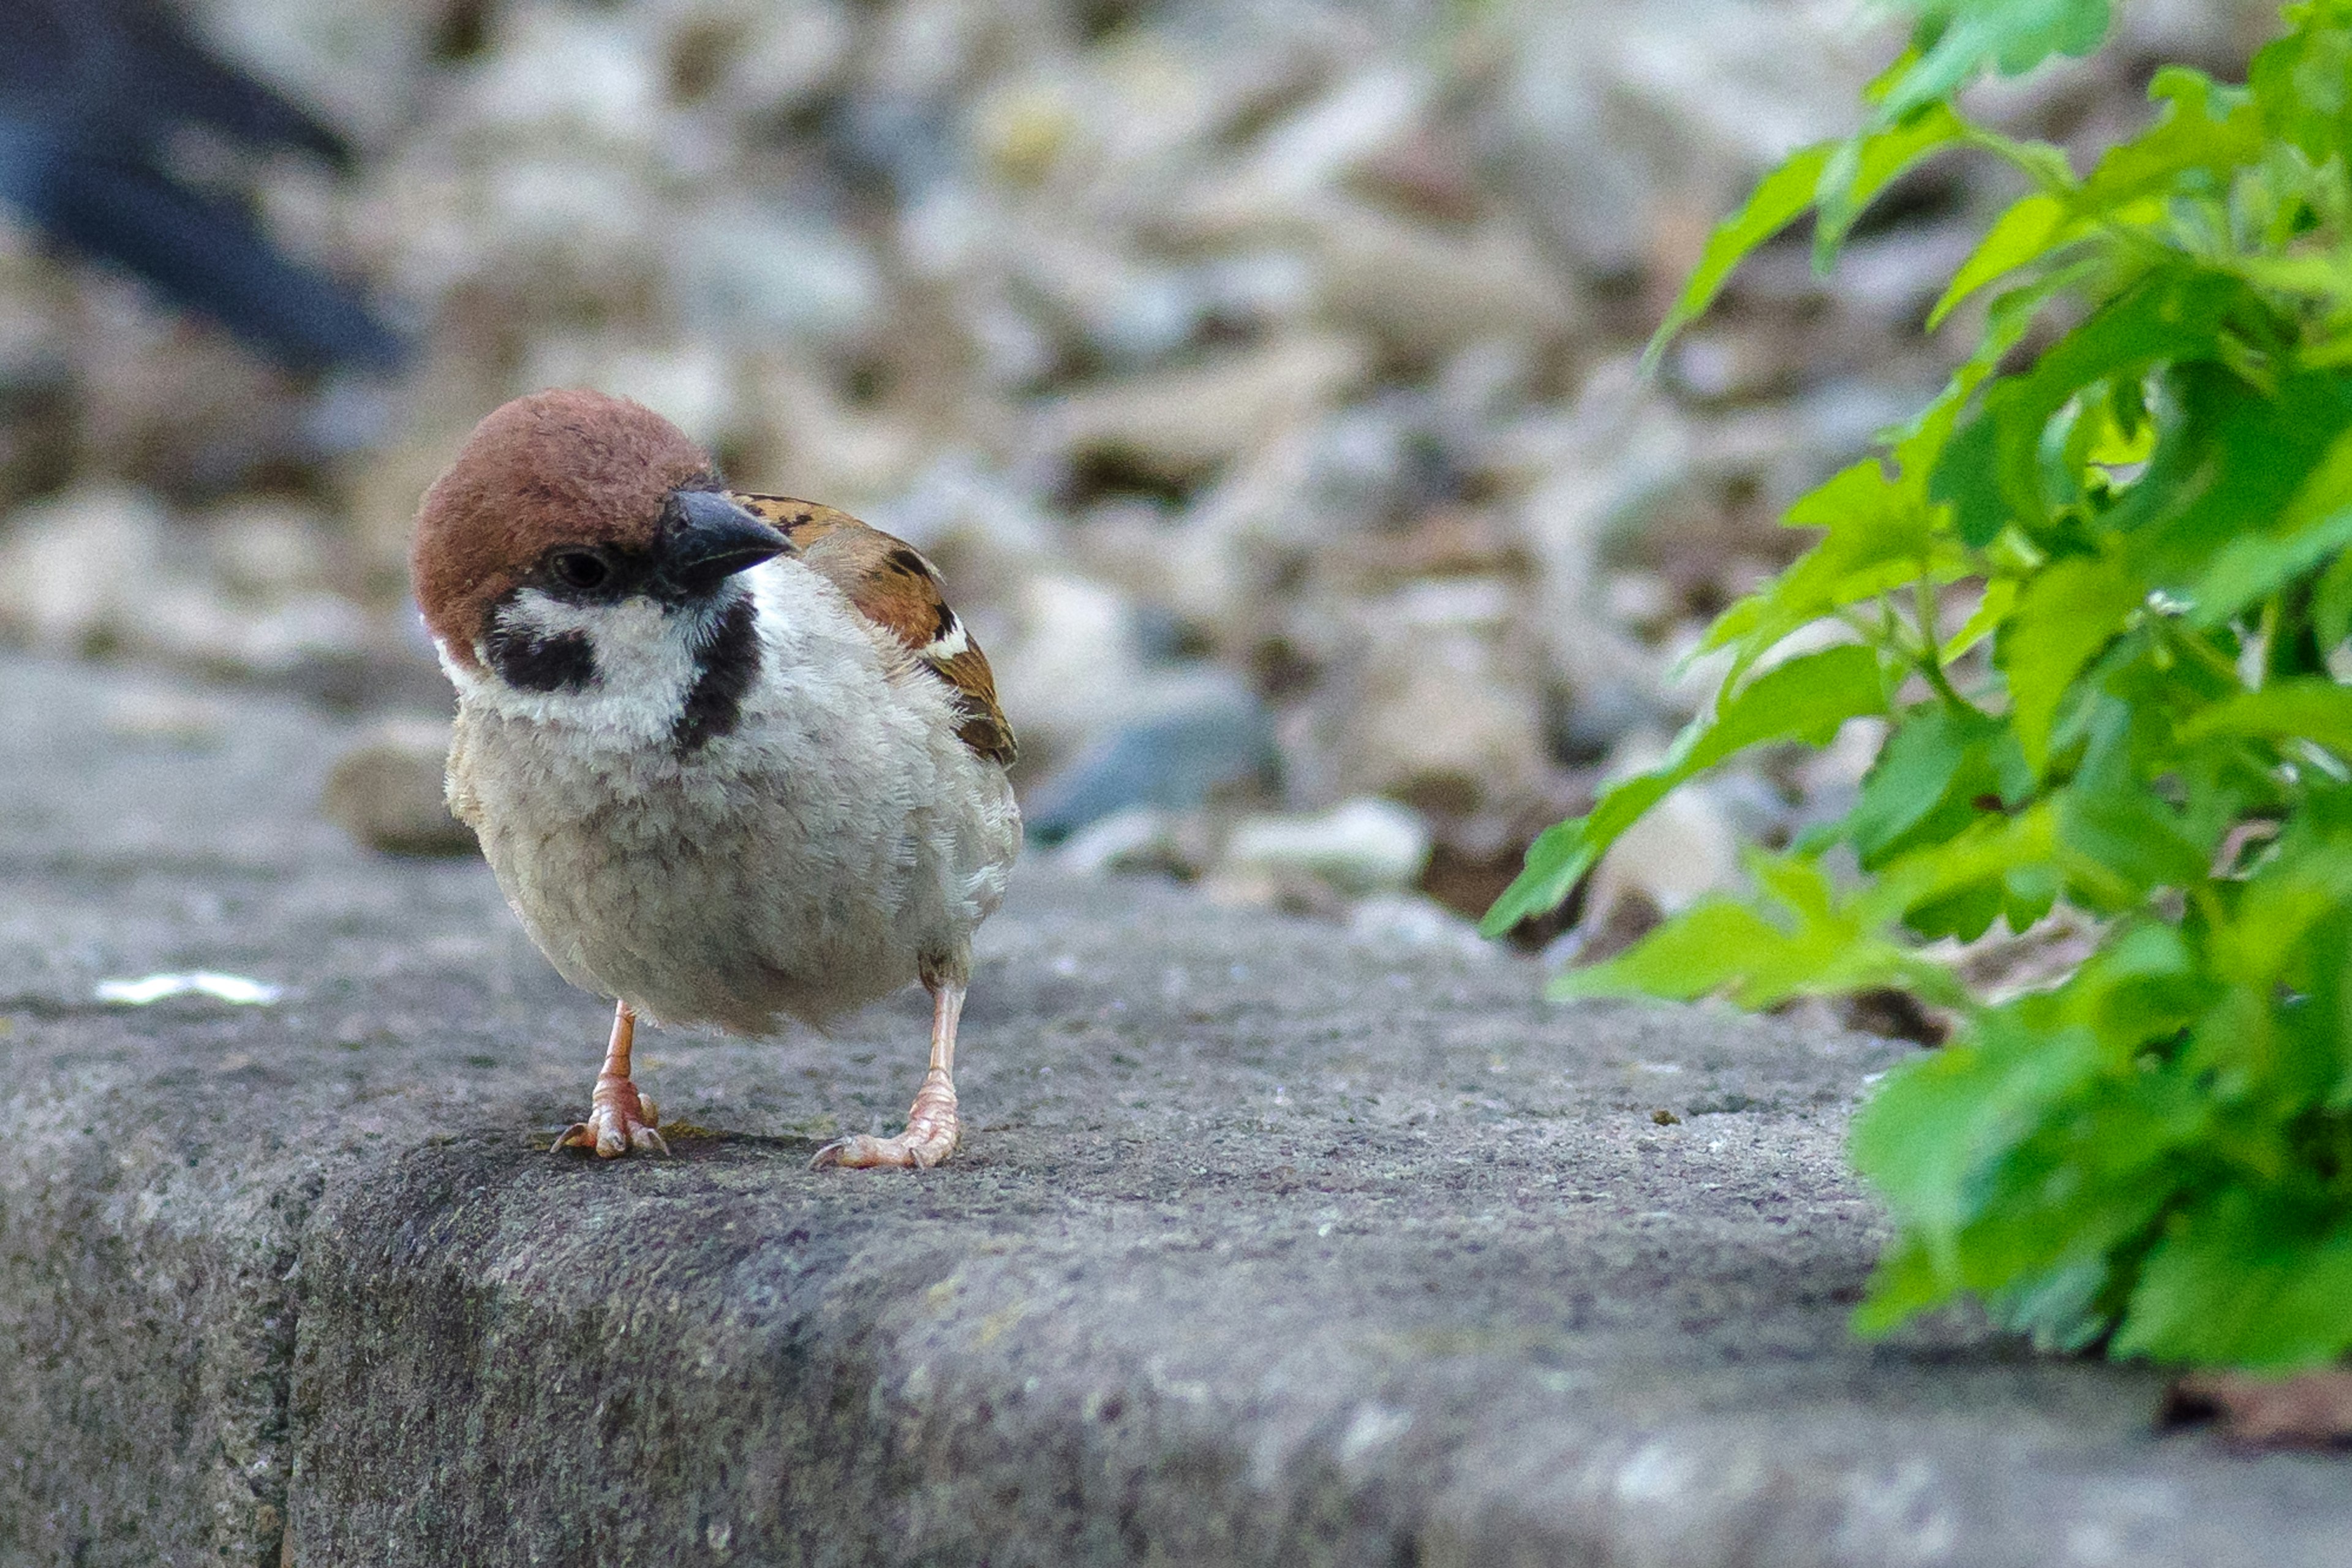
{"x":386,"y":791}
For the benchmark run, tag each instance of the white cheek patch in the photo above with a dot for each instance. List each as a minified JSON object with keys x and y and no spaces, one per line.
{"x":645,"y":665}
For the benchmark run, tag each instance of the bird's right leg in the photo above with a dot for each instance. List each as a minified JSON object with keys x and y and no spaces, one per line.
{"x":933,"y":1130}
{"x":619,"y":1118}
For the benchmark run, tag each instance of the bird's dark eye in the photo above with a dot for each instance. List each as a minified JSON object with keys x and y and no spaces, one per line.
{"x":581,"y":568}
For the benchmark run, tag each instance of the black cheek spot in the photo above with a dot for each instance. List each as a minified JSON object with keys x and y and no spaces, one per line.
{"x":725,"y":668}
{"x":565,"y":662}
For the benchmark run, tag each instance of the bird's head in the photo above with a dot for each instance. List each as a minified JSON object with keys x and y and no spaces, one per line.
{"x":581,"y":543}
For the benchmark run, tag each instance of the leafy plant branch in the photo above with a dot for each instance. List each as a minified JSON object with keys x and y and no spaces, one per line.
{"x":2139,"y":719}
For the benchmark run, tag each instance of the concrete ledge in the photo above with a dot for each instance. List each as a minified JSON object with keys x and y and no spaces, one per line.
{"x":1268,"y":1247}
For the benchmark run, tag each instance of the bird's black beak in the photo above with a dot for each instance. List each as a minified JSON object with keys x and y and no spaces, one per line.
{"x":706,"y":539}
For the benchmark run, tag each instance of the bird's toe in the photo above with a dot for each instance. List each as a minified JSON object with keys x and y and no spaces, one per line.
{"x":619,"y":1119}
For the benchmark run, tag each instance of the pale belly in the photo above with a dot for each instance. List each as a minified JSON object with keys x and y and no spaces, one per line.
{"x":712,"y":896}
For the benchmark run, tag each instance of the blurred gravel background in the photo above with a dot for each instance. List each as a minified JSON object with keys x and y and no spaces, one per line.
{"x":1260,"y":371}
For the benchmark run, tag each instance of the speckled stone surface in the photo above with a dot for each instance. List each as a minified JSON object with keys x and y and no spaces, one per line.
{"x":1268,"y":1245}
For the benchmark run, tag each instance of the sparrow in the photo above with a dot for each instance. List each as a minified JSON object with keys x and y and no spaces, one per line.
{"x":731,"y":757}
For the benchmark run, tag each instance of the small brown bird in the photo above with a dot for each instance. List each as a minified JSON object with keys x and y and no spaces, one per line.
{"x":731,"y":756}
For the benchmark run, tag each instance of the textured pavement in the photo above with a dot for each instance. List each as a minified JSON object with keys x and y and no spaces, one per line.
{"x":1268,"y":1245}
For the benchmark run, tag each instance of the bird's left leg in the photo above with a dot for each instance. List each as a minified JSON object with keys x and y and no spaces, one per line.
{"x":619,"y":1118}
{"x":932,"y":1129}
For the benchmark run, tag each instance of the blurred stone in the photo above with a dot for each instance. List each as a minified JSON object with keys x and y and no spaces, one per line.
{"x":383,"y":488}
{"x":1290,"y":340}
{"x":37,"y":395}
{"x":1617,"y":120}
{"x":1138,"y":838}
{"x":1175,"y":424}
{"x":1895,"y":1014}
{"x":1896,"y":277}
{"x":358,"y":61}
{"x":1604,"y":469}
{"x":1440,"y":704}
{"x":1683,"y":849}
{"x":691,"y":383}
{"x":1827,"y":780}
{"x":1311,"y":151}
{"x":386,"y":790}
{"x":1362,"y":846}
{"x":1449,"y":543}
{"x":268,"y":550}
{"x":1192,"y":734}
{"x":799,"y":435}
{"x":1734,"y":364}
{"x":1425,"y":291}
{"x":1407,"y":921}
{"x":187,"y":621}
{"x":769,"y":272}
{"x":75,"y":568}
{"x":755,"y":59}
{"x":177,"y":406}
{"x":157,"y":716}
{"x":561,"y":74}
{"x":1642,"y":601}
{"x":1072,"y":666}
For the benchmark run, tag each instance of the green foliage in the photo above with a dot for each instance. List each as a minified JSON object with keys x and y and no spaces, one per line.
{"x":2099,"y":601}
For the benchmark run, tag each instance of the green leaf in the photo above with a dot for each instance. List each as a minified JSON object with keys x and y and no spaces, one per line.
{"x":1779,"y":200}
{"x":1555,"y":862}
{"x":2127,"y":840}
{"x":2310,"y":708}
{"x":1929,"y":779}
{"x":2203,"y":132}
{"x":1959,"y":885}
{"x":2156,"y":1148}
{"x":2247,"y":1279}
{"x":2305,"y":884}
{"x":1905,"y":1283}
{"x":1859,"y":169}
{"x":1992,"y":609}
{"x":1799,"y":939}
{"x":2032,"y":228}
{"x":2300,"y":81}
{"x":1880,"y":536}
{"x":2331,"y":604}
{"x":2059,"y":1309}
{"x":1841,"y":178}
{"x":2063,"y":616}
{"x":1996,"y":470}
{"x":1939,"y":1126}
{"x":1805,"y":698}
{"x":1972,"y":37}
{"x":2263,"y":546}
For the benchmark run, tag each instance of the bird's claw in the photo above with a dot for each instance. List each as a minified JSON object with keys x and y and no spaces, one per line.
{"x":619,"y":1119}
{"x":864,"y":1153}
{"x":931,"y":1135}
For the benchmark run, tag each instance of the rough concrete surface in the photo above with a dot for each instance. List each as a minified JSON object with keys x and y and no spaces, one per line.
{"x":1268,"y":1245}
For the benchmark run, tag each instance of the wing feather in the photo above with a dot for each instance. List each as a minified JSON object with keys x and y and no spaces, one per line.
{"x":899,"y":593}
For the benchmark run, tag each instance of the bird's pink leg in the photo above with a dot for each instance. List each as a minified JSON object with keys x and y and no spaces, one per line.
{"x":619,"y":1118}
{"x":932,"y":1129}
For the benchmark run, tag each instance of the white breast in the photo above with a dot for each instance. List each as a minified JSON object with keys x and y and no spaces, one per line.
{"x":805,"y":862}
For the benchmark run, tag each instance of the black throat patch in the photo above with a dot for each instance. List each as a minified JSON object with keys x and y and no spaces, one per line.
{"x":564,"y":662}
{"x":726,"y":664}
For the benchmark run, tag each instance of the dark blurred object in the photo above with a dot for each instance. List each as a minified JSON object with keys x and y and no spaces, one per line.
{"x":93,"y":93}
{"x":1213,"y":739}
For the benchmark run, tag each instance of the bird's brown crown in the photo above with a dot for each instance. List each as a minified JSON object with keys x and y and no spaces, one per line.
{"x":555,"y":467}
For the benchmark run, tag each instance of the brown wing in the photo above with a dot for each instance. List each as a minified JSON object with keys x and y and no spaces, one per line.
{"x":891,"y":583}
